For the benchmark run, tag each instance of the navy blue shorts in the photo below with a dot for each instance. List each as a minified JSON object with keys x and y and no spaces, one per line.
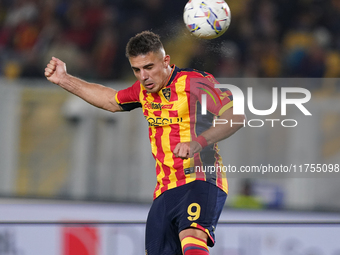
{"x":197,"y":204}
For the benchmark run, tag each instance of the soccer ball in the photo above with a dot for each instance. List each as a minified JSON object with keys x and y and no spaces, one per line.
{"x":207,"y":19}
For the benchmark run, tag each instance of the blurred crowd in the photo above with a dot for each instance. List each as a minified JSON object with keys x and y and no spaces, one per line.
{"x":267,"y":38}
{"x":281,"y":38}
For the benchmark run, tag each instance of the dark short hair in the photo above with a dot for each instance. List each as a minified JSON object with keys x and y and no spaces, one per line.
{"x":143,"y":43}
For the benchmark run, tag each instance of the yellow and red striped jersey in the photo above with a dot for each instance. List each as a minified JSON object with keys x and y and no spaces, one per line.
{"x":174,"y":116}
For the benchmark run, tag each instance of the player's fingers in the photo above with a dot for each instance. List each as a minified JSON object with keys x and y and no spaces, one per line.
{"x":47,"y":74}
{"x":183,"y":152}
{"x":190,"y":154}
{"x":49,"y":71}
{"x":185,"y":157}
{"x":188,"y":150}
{"x":51,"y":66}
{"x":176,"y":150}
{"x":57,"y":61}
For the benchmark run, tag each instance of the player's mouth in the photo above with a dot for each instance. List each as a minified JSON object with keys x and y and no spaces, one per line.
{"x":149,"y":85}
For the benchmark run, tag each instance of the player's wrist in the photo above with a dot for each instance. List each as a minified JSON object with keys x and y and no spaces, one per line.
{"x":201,"y":140}
{"x":64,"y":80}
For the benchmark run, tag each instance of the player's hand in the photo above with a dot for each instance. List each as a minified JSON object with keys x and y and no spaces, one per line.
{"x":187,"y":149}
{"x":55,"y":70}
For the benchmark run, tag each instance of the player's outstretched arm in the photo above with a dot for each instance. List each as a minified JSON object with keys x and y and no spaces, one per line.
{"x":95,"y":94}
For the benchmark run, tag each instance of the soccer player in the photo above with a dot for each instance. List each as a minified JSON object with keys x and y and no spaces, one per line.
{"x":188,"y":199}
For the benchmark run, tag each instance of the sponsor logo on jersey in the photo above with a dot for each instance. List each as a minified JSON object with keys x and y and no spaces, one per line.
{"x":159,"y":121}
{"x":157,"y":106}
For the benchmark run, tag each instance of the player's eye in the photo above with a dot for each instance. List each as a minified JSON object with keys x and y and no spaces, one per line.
{"x":148,"y":67}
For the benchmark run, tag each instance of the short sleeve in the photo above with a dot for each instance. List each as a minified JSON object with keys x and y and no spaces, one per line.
{"x":128,"y":98}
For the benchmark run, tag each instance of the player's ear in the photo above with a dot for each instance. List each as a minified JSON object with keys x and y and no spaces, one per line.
{"x":166,"y":60}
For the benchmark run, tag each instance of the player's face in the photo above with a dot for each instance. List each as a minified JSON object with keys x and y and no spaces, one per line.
{"x":152,"y":70}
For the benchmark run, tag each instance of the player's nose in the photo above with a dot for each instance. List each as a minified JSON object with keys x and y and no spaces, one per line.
{"x":144,"y":75}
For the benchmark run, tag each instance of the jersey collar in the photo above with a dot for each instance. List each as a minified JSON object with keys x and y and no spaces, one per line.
{"x":173,"y":74}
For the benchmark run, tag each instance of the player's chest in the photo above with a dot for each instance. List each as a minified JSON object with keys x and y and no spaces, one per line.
{"x":167,"y":107}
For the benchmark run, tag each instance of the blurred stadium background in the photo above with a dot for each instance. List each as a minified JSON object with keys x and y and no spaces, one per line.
{"x":63,"y":160}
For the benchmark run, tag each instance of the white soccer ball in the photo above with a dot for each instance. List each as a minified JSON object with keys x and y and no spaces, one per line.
{"x":207,"y":19}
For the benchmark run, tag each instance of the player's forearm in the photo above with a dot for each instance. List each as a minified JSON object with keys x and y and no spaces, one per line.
{"x":95,"y":94}
{"x":221,"y":131}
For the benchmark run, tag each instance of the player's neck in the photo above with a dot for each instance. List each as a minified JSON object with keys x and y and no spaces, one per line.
{"x":169,"y":73}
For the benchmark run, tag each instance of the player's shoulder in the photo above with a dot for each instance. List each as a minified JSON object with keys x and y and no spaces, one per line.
{"x":136,"y":87}
{"x":194,"y":73}
{"x":132,"y":90}
{"x":136,"y":84}
{"x":198,"y":77}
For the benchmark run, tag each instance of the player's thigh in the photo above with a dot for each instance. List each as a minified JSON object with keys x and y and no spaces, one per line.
{"x":201,"y":208}
{"x":161,"y":234}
